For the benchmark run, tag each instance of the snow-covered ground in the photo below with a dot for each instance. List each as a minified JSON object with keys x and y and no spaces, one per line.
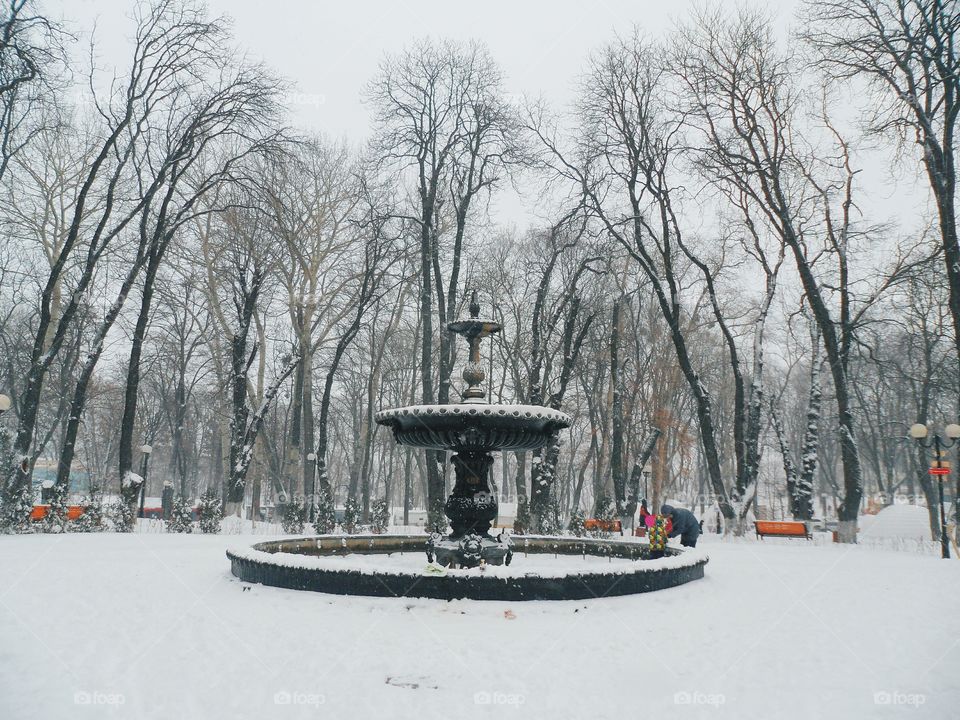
{"x":154,"y":626}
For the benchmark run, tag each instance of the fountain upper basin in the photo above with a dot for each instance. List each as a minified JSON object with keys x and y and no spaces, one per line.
{"x":473,"y":427}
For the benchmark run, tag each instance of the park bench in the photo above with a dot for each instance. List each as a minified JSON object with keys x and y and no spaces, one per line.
{"x":39,"y":512}
{"x":595,"y":524}
{"x":782,"y":528}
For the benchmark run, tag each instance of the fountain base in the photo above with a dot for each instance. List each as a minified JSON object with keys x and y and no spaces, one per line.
{"x":322,"y":564}
{"x":468,"y":551}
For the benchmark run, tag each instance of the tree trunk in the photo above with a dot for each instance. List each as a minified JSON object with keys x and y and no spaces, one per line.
{"x":616,"y":447}
{"x":307,"y":429}
{"x":128,"y":423}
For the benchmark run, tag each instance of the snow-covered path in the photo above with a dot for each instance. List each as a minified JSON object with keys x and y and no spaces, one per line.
{"x":154,"y":626}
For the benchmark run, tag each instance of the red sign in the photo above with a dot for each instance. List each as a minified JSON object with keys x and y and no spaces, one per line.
{"x":939,"y":471}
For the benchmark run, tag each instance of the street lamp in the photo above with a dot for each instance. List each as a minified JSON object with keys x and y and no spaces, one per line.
{"x":4,"y":403}
{"x":919,"y":432}
{"x":312,"y":458}
{"x":145,"y":450}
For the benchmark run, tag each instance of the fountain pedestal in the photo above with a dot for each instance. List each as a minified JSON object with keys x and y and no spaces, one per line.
{"x":471,"y":508}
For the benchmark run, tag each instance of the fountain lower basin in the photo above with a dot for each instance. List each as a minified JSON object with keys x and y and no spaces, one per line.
{"x":622,"y":567}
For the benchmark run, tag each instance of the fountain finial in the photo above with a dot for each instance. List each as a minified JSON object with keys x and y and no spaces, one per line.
{"x":474,"y":330}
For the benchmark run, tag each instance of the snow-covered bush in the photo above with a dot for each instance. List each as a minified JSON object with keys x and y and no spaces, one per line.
{"x":291,"y":517}
{"x":181,"y":517}
{"x":122,"y":515}
{"x":15,"y":509}
{"x":210,"y":512}
{"x":436,"y":519}
{"x":550,"y":521}
{"x":16,"y":503}
{"x":351,"y":516}
{"x":55,"y":521}
{"x":521,"y":523}
{"x":606,"y":512}
{"x":92,"y":519}
{"x":380,"y":516}
{"x":575,"y":526}
{"x":325,"y":519}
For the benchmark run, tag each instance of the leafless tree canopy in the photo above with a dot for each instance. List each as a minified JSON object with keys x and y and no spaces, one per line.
{"x":707,"y":291}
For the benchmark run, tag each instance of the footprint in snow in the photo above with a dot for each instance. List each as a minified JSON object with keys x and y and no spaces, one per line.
{"x":410,"y":682}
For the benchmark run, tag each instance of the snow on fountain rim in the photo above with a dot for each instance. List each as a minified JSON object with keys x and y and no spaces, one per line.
{"x":615,"y":566}
{"x":483,"y":409}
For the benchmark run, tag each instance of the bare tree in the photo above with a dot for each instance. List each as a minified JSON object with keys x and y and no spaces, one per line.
{"x":241,"y":259}
{"x":369,"y":286}
{"x":31,"y":56}
{"x":167,"y":36}
{"x":441,"y":120}
{"x":906,"y":51}
{"x":222,"y":120}
{"x":313,"y":197}
{"x":626,"y":155}
{"x":745,"y":94}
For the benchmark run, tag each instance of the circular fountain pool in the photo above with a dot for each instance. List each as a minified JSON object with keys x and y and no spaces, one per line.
{"x":393,"y":566}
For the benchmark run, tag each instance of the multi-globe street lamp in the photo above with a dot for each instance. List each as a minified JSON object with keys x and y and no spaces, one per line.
{"x":939,"y":468}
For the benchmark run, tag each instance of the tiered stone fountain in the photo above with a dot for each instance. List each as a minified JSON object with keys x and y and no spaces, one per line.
{"x":464,"y":563}
{"x":473,"y":429}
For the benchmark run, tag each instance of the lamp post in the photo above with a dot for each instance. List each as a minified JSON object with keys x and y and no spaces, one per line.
{"x":145,"y":451}
{"x":312,"y":459}
{"x":918,"y":432}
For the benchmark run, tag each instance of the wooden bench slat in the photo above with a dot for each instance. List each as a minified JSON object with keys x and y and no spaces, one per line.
{"x":781,"y":528}
{"x":605,"y":525}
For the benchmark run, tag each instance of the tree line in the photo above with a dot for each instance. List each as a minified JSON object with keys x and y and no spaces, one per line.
{"x":713,"y":291}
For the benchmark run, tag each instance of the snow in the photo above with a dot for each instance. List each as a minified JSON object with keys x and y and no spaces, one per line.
{"x":537,"y":411}
{"x":897,"y":521}
{"x":131,"y":479}
{"x":155,"y":626}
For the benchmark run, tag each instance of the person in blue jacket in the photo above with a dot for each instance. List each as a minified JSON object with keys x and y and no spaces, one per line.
{"x":684,"y":524}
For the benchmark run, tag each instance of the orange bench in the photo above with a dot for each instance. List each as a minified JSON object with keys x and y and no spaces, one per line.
{"x":603,"y":525}
{"x":39,"y":512}
{"x":782,"y":528}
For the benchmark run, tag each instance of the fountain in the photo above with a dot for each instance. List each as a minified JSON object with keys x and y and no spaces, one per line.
{"x":469,"y":562}
{"x":472,"y":429}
